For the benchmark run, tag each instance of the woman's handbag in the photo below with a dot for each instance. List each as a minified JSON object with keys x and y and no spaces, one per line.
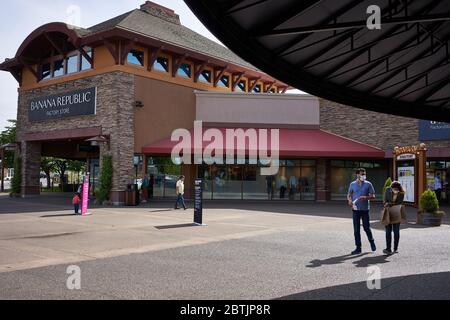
{"x":395,"y":214}
{"x":385,"y":218}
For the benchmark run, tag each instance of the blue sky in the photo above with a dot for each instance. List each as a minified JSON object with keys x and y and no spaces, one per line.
{"x":21,"y":17}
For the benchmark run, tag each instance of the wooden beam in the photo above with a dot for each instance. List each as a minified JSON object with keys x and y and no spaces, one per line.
{"x":54,"y":45}
{"x":153,"y":54}
{"x":125,"y":50}
{"x":113,"y":49}
{"x":253,"y":83}
{"x":176,"y":63}
{"x":268,"y":87}
{"x":30,"y":68}
{"x":236,"y":77}
{"x":218,"y":74}
{"x":86,"y":56}
{"x":199,"y":68}
{"x":282,"y":89}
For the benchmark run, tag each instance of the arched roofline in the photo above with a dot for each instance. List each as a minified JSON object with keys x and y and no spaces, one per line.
{"x":60,"y":27}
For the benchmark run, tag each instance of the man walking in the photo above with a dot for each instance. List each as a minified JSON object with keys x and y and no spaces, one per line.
{"x":438,"y":186}
{"x":180,"y":193}
{"x":359,"y":195}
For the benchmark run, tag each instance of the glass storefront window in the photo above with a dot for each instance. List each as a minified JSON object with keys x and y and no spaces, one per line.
{"x":227,"y":182}
{"x":254,"y":184}
{"x":342,"y":177}
{"x":166,"y":175}
{"x":204,"y":173}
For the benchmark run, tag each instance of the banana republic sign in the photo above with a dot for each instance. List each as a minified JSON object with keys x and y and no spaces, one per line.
{"x":69,"y":104}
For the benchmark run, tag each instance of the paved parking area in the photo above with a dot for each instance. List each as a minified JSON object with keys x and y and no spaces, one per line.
{"x":248,"y":250}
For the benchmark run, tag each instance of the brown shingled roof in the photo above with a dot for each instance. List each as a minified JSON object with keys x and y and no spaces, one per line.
{"x":152,"y":26}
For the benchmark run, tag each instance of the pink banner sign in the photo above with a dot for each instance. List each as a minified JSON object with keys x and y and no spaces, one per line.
{"x":85,"y":196}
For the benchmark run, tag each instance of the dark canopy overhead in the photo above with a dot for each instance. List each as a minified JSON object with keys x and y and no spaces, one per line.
{"x":325,"y":48}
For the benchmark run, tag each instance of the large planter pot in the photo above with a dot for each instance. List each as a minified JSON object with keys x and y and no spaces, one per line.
{"x":15,"y":195}
{"x":430,"y":219}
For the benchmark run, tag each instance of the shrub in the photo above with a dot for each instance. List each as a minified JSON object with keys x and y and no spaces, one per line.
{"x":17,"y":178}
{"x":386,"y":185}
{"x":105,"y":180}
{"x":429,"y":201}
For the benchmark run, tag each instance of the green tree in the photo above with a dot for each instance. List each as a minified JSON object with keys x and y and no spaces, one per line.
{"x":9,"y":136}
{"x":76,"y":166}
{"x":61,"y":166}
{"x":17,"y":178}
{"x":105,"y":179}
{"x":47,"y":166}
{"x":386,"y":185}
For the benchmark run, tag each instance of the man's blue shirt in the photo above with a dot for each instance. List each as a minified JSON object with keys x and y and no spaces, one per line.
{"x":356,"y":190}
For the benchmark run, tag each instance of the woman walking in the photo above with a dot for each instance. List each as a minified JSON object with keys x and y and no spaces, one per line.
{"x":393,"y":203}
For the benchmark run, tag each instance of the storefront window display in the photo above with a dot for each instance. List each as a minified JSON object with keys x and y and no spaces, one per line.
{"x":165,"y":174}
{"x":343,"y":173}
{"x":294,"y":181}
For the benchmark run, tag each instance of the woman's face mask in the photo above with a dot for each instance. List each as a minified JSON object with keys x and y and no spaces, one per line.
{"x":395,"y":190}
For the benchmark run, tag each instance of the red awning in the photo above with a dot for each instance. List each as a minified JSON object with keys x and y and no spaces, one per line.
{"x":293,"y":143}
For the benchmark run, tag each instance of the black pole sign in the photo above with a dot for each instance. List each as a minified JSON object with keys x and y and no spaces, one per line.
{"x":198,"y":205}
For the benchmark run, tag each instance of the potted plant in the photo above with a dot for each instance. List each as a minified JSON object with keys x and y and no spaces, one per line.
{"x":430,"y":214}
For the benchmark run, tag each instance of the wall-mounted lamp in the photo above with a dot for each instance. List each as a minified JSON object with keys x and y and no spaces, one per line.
{"x":96,"y":141}
{"x":138,"y":104}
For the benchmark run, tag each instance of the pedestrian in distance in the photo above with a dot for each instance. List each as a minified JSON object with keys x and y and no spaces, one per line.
{"x":393,"y":213}
{"x":76,"y":202}
{"x":180,"y":193}
{"x":360,"y":192}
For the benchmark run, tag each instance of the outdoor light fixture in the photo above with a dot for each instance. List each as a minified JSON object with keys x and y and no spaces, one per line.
{"x":96,"y":141}
{"x":138,"y":104}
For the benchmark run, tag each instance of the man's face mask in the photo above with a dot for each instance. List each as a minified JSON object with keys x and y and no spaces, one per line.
{"x":362,"y":177}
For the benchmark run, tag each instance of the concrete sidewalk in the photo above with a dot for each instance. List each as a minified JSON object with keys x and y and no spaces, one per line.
{"x":249,"y":250}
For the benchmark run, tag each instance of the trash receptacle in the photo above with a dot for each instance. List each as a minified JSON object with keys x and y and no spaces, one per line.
{"x":130,"y":195}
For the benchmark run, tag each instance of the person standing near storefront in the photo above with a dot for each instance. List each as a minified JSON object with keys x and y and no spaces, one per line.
{"x":269,"y":186}
{"x":144,"y":188}
{"x":438,"y":186}
{"x":180,"y":193}
{"x":151,"y":184}
{"x":393,"y":197}
{"x":360,"y":192}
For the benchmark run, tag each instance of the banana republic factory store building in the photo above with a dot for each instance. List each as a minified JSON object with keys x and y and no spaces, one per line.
{"x":123,"y":86}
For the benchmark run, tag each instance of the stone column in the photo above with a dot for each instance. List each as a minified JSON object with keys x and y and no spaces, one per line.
{"x":121,"y":132}
{"x":323,"y":190}
{"x":31,"y":168}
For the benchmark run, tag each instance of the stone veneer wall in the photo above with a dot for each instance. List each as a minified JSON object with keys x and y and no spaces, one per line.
{"x":115,"y":115}
{"x":373,"y":128}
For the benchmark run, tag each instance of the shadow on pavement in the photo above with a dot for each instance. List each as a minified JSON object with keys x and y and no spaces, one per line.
{"x":370,"y":261}
{"x":414,"y":287}
{"x":60,"y":215}
{"x":176,"y":226}
{"x":334,"y":260}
